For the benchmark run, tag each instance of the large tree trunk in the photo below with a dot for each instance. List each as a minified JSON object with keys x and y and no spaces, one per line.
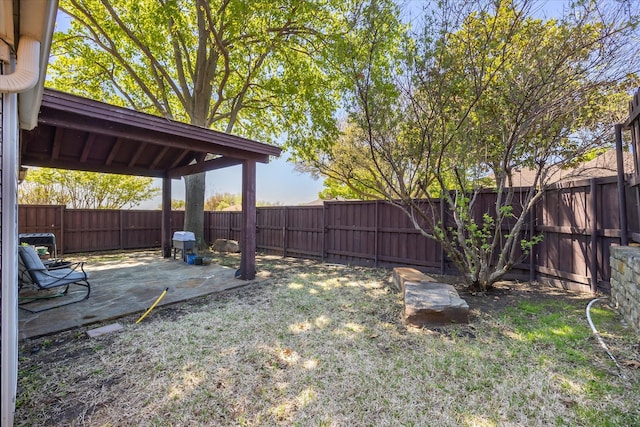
{"x":194,"y":207}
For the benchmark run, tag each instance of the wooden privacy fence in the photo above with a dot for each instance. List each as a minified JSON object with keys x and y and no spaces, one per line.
{"x":578,"y":221}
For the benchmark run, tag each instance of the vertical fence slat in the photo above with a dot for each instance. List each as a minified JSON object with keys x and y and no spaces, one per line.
{"x":443,"y":264}
{"x":594,"y":235}
{"x":377,"y":228}
{"x":284,"y":231}
{"x":324,"y":231}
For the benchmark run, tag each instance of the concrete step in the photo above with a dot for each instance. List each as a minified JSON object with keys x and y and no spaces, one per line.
{"x":428,"y":302}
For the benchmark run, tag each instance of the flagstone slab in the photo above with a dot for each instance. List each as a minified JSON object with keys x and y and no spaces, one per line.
{"x":427,"y":302}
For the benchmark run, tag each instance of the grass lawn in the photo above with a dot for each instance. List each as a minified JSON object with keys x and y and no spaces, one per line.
{"x":324,"y":345}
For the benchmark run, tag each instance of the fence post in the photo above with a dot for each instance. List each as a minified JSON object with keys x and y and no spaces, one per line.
{"x":377,"y":226}
{"x":284,"y":232}
{"x":622,"y":196}
{"x":594,"y":236}
{"x":62,"y":231}
{"x":324,"y":230}
{"x":121,"y":238}
{"x":532,"y":225}
{"x":443,"y":265}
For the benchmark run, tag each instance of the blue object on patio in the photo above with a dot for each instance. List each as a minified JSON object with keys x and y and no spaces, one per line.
{"x":191,"y":259}
{"x":33,"y":272}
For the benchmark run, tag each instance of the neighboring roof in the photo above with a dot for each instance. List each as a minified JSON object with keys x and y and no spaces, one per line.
{"x":83,"y":134}
{"x":232,"y":208}
{"x":320,"y":202}
{"x":317,"y":202}
{"x":603,"y":165}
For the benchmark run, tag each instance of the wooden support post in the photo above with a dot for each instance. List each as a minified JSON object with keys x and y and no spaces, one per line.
{"x":166,"y":218}
{"x":248,"y":245}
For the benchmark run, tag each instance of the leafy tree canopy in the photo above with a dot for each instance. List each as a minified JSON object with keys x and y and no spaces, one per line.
{"x":221,"y":201}
{"x":84,"y":190}
{"x":483,"y":90}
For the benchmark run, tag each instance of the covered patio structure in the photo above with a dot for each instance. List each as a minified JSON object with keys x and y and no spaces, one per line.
{"x":82,"y":134}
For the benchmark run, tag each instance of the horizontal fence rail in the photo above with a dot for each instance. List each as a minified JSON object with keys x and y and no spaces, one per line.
{"x":578,"y":221}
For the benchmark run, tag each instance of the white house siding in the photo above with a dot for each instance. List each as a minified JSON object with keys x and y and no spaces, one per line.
{"x":8,"y":257}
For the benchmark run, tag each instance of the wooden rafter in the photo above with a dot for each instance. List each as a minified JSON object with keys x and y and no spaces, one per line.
{"x":138,"y":153}
{"x":58,"y":140}
{"x":88,"y":145}
{"x":114,"y":152}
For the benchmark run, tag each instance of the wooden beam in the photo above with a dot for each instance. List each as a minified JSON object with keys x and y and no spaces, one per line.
{"x":73,"y":164}
{"x":248,"y":237}
{"x":57,"y":143}
{"x":159,"y":157}
{"x":201,"y":157}
{"x":179,"y":159}
{"x":114,"y":152}
{"x":166,"y":218}
{"x":209,"y":165}
{"x":88,"y":145}
{"x":138,"y":153}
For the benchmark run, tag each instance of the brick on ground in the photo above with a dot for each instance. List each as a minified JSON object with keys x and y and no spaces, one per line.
{"x":107,"y":329}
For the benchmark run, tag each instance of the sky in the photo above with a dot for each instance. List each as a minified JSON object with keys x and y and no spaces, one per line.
{"x":276,"y":182}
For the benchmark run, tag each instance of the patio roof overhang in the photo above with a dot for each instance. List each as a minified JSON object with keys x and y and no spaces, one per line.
{"x":83,"y":134}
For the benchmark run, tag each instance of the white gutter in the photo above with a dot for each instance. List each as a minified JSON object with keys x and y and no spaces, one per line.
{"x":26,"y":73}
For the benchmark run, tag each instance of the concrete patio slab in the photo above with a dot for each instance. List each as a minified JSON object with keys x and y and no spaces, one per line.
{"x":128,"y":285}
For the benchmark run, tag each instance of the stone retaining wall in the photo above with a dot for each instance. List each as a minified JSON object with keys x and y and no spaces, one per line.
{"x":625,"y":283}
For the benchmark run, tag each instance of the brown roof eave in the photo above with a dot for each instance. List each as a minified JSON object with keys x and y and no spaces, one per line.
{"x":83,"y":107}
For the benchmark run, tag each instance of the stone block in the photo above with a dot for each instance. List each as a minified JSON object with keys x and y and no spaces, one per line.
{"x":427,"y":304}
{"x":635,"y":262}
{"x":404,"y":274}
{"x":224,"y":245}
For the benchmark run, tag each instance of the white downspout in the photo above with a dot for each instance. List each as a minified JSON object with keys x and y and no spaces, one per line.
{"x":23,"y":78}
{"x":25,"y":75}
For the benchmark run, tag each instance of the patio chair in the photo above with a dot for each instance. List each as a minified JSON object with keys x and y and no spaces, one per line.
{"x":33,"y":272}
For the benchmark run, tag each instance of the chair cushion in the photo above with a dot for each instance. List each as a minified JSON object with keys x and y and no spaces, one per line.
{"x":59,"y":277}
{"x":48,"y":278}
{"x":30,"y":257}
{"x":23,"y":274}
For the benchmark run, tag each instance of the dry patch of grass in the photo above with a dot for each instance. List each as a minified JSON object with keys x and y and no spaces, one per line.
{"x":323,"y":345}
